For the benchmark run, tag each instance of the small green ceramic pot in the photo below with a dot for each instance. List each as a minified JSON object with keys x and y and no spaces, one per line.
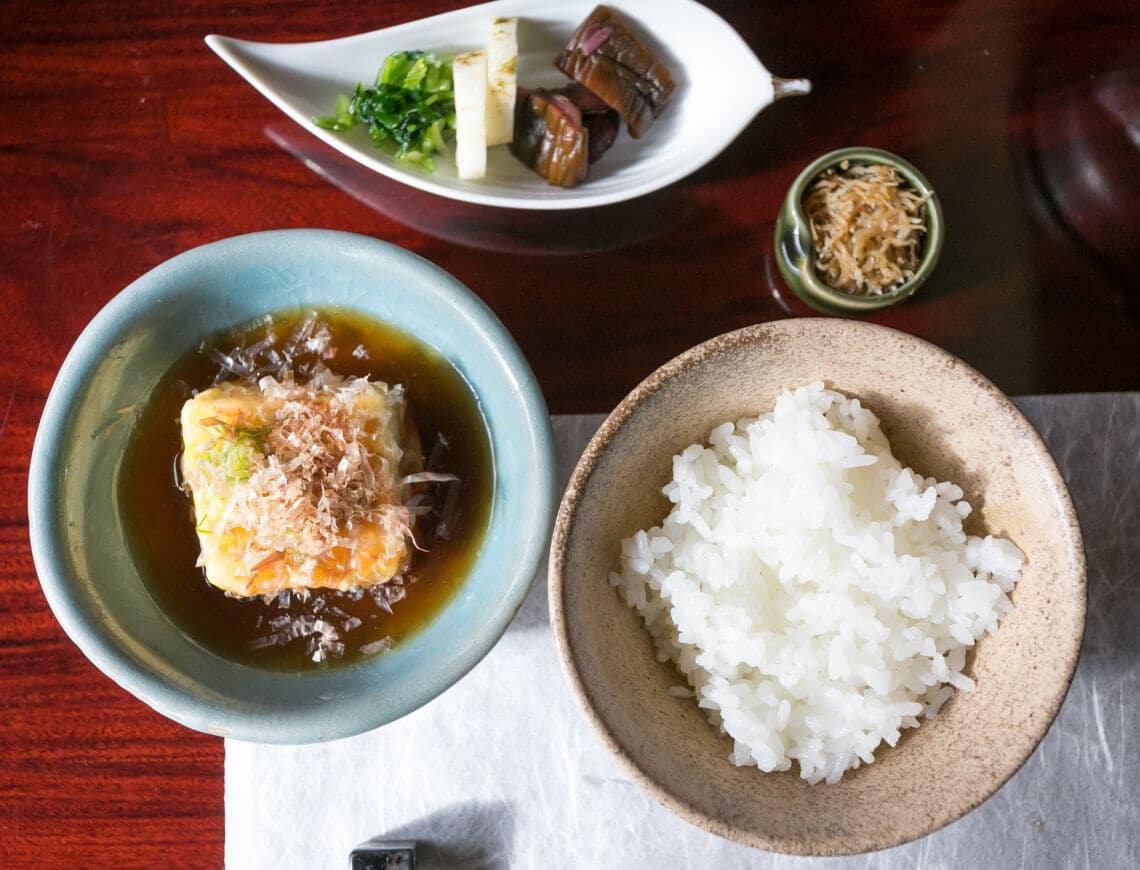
{"x":795,"y":253}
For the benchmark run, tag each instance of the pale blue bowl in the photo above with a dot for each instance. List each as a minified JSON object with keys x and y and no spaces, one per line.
{"x":84,"y":564}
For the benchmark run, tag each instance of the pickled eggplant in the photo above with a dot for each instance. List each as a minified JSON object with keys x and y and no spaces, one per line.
{"x":558,"y":133}
{"x":550,"y":137}
{"x":600,"y":120}
{"x":607,"y":58}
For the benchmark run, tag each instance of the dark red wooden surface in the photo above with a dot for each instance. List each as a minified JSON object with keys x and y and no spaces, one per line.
{"x":124,"y":141}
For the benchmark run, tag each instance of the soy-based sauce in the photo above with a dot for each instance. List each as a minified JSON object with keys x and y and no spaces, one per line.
{"x":159,"y":522}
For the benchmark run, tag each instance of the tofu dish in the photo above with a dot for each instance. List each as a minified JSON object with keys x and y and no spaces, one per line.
{"x":307,"y":489}
{"x":301,"y":486}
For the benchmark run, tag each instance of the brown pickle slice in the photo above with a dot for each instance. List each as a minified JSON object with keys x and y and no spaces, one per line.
{"x":601,"y":122}
{"x":606,"y":57}
{"x":550,"y":137}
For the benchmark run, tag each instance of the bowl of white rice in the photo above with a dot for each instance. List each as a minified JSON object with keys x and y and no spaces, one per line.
{"x":819,"y":586}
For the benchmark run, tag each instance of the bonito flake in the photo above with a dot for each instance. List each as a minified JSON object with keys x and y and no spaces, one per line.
{"x":299,"y":487}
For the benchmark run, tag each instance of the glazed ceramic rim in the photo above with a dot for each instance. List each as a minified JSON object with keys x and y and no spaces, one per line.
{"x":814,"y":291}
{"x":556,"y":583}
{"x":57,"y":576}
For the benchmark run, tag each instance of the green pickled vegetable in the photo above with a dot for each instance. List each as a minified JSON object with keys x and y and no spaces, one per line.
{"x":409,"y":113}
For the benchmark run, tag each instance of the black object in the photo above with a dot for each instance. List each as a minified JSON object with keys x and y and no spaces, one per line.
{"x":380,"y":854}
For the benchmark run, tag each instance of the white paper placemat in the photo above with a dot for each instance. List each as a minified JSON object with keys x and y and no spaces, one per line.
{"x":503,"y":771}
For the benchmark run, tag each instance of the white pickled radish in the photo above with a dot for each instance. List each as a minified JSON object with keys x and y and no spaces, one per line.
{"x":470,"y":76}
{"x":502,"y":84}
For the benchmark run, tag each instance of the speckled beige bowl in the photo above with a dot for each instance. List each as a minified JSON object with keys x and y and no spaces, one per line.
{"x":943,"y":419}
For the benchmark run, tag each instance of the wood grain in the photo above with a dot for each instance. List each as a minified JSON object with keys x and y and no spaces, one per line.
{"x":125,"y":141}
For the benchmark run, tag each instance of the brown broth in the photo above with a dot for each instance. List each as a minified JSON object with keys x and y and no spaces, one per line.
{"x":158,"y":517}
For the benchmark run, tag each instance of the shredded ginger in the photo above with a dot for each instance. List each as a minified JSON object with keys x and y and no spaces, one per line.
{"x":866,"y":226}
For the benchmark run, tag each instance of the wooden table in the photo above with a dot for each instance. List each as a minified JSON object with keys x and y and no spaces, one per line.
{"x":125,"y":141}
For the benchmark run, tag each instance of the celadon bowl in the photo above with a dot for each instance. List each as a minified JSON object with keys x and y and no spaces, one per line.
{"x":944,"y":420}
{"x":82,"y":558}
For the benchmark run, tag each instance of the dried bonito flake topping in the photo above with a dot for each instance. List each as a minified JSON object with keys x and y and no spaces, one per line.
{"x":866,"y":227}
{"x":298,"y":487}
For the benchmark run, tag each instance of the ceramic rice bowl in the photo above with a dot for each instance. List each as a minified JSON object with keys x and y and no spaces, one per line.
{"x":943,"y":419}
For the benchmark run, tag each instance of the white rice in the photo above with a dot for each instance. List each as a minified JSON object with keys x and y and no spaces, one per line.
{"x":818,"y":596}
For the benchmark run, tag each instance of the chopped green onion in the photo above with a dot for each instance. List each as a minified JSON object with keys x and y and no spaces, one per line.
{"x":408,"y":113}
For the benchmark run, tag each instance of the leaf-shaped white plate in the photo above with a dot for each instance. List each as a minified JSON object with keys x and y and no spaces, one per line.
{"x":721,"y":85}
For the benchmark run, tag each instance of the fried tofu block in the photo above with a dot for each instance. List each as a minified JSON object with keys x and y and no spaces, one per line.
{"x":299,"y":486}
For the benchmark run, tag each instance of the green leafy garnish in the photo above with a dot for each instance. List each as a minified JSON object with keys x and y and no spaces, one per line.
{"x":237,"y":456}
{"x":410,"y":111}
